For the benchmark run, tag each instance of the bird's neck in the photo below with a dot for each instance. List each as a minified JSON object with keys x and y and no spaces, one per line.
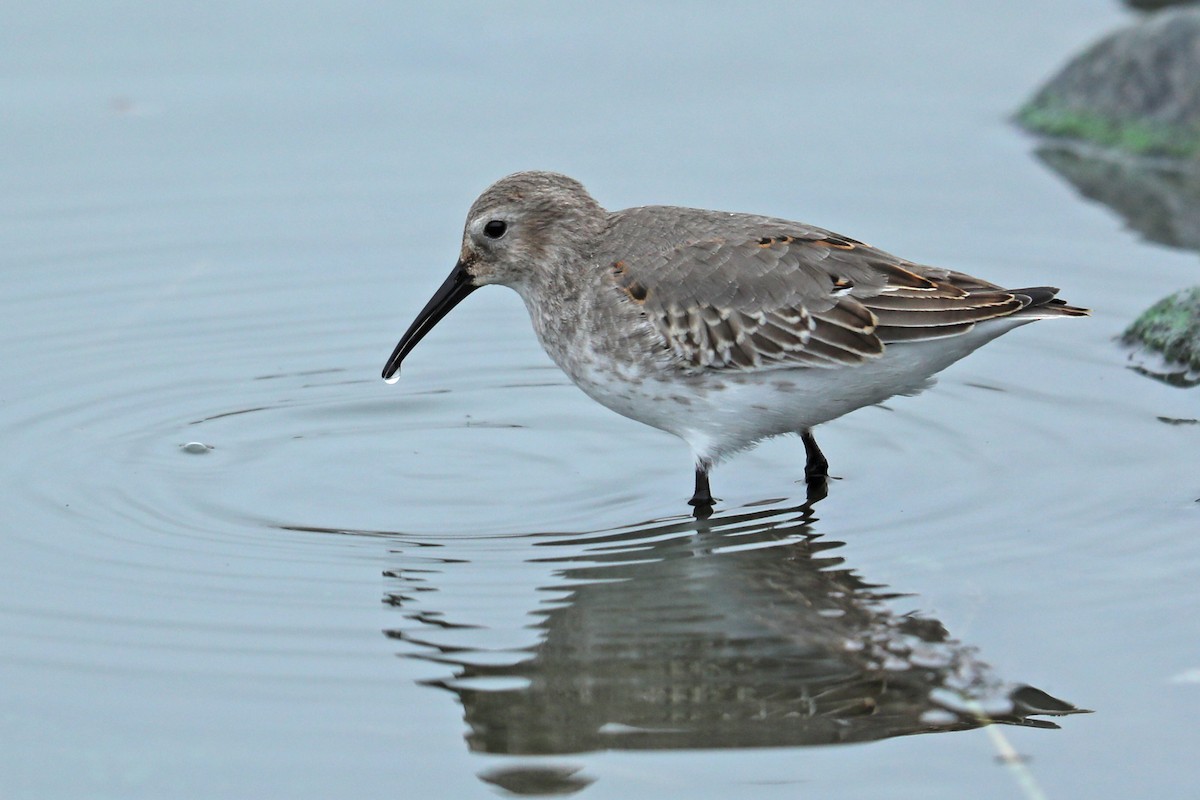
{"x":561,"y":300}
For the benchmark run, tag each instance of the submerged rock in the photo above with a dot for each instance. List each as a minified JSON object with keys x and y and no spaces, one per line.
{"x":1137,"y":90}
{"x":1171,"y":329}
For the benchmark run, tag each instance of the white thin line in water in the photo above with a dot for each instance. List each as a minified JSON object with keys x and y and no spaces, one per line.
{"x":1009,"y":755}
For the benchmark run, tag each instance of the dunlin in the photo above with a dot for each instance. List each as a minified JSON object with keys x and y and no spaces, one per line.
{"x":723,"y":329}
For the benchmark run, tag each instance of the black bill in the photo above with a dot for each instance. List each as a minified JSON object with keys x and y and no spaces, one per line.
{"x":448,"y":295}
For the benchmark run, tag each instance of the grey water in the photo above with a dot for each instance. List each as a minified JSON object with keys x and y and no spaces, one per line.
{"x":235,"y":563}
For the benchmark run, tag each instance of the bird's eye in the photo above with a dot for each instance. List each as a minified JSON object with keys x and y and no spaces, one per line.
{"x":495,"y":228}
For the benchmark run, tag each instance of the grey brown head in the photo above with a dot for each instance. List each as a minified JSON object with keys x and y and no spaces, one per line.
{"x":521,"y":225}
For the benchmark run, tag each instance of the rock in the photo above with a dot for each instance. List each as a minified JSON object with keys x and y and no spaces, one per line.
{"x":1137,"y":90}
{"x":1170,"y":328}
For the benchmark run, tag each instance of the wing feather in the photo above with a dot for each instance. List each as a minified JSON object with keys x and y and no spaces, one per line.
{"x":731,"y":291}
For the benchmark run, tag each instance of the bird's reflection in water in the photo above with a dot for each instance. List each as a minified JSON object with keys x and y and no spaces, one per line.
{"x":744,"y":630}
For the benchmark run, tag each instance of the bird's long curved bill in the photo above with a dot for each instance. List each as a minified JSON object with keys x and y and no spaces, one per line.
{"x":448,"y":295}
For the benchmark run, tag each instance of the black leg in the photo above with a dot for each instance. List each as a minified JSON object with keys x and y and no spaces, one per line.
{"x":702,"y":498}
{"x":815,"y":490}
{"x":816,"y":468}
{"x":703,"y":495}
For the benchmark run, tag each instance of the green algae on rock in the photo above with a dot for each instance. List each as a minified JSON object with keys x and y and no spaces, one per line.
{"x":1171,"y":328}
{"x":1136,"y":90}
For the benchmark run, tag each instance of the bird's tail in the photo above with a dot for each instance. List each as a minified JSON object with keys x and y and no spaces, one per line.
{"x":1044,"y":304}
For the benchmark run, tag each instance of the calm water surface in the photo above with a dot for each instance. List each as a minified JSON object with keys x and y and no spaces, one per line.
{"x":217,"y":221}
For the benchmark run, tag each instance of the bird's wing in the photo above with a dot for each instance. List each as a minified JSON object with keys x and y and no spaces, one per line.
{"x":763,"y":292}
